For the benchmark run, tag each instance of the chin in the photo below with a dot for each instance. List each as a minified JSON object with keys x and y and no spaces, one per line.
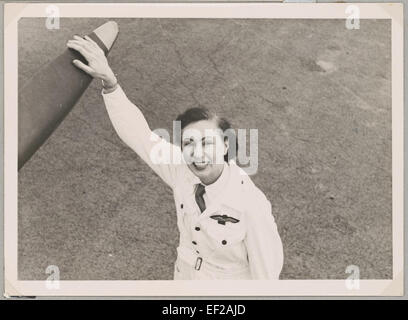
{"x":203,"y":173}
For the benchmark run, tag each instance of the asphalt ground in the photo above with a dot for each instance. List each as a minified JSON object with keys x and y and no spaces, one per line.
{"x":319,"y":94}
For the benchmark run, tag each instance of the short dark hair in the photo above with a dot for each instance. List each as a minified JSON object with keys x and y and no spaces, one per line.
{"x":196,"y":114}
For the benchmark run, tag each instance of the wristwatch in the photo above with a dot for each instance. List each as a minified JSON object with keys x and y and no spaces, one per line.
{"x":109,"y":88}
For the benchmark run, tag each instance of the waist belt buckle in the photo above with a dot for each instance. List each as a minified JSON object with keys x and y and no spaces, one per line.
{"x":198,"y":263}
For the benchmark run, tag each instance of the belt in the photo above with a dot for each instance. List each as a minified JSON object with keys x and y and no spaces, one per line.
{"x":188,"y":256}
{"x":197,"y":262}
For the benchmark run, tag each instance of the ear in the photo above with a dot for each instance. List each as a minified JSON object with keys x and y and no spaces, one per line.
{"x":226,"y":145}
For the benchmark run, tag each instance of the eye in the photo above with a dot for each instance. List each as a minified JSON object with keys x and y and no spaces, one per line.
{"x":187,"y":142}
{"x":208,"y":141}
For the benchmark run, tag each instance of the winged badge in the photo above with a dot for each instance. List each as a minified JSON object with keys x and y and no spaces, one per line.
{"x":222,"y":219}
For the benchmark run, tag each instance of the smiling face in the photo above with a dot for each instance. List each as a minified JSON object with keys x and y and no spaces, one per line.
{"x":204,"y":147}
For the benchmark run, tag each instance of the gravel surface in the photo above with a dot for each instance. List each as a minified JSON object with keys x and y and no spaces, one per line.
{"x":319,"y":94}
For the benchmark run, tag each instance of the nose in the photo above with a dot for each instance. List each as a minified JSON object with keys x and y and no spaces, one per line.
{"x":198,"y":151}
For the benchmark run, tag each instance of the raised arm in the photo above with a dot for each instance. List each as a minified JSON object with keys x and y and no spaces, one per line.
{"x":127,"y":119}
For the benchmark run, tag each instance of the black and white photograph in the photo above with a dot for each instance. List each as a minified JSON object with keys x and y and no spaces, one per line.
{"x":203,"y":144}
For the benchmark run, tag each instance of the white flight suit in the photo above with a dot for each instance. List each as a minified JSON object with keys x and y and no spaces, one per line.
{"x":235,"y":237}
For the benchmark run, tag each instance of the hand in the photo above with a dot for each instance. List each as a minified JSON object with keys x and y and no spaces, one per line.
{"x":98,"y":66}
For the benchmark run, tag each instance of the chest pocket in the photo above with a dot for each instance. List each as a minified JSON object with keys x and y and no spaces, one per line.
{"x":224,"y":228}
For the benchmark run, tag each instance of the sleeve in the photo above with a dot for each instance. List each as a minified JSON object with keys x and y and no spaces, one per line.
{"x":131,"y":126}
{"x":263,"y":243}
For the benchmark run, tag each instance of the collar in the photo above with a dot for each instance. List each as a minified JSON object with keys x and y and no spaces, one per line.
{"x":214,"y":189}
{"x":227,"y":190}
{"x":233,"y":194}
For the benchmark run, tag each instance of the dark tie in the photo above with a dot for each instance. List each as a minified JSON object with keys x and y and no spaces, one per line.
{"x":199,"y":193}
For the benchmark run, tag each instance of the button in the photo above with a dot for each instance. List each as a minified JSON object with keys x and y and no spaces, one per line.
{"x":197,"y":251}
{"x":224,"y":242}
{"x":197,"y":228}
{"x":194,"y":242}
{"x":181,"y":206}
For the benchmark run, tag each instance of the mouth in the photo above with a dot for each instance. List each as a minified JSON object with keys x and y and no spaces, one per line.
{"x":200,"y":165}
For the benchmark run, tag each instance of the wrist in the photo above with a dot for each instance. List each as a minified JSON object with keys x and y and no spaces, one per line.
{"x":109,"y":86}
{"x":109,"y":81}
{"x":107,"y":90}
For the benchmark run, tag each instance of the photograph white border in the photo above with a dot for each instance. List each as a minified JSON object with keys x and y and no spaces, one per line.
{"x":13,"y":287}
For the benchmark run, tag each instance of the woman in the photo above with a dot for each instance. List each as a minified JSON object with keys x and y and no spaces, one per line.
{"x":226,"y":226}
